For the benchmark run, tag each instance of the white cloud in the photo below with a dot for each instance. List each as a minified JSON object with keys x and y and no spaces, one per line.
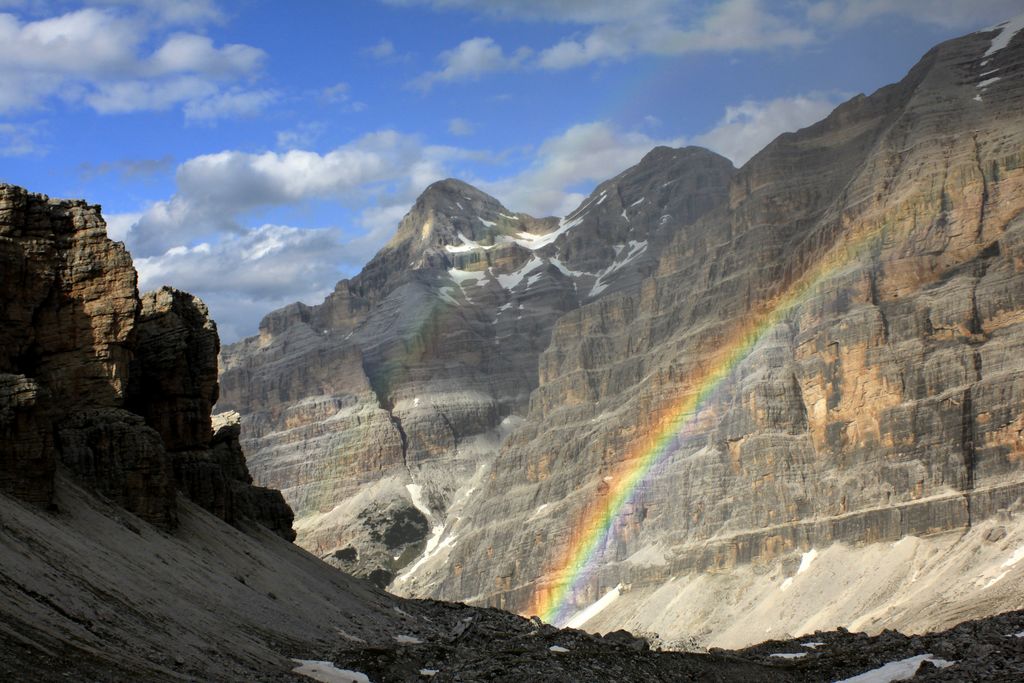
{"x":96,"y":56}
{"x":176,"y":12}
{"x":944,"y":13}
{"x":122,"y":97}
{"x":20,"y":139}
{"x":245,"y":276}
{"x":468,"y":61}
{"x":119,"y":224}
{"x":303,"y":135}
{"x":747,"y":127}
{"x":185,"y":52}
{"x":730,"y":26}
{"x":235,"y":102}
{"x":460,"y":126}
{"x":584,"y":154}
{"x":214,"y":191}
{"x":382,"y":50}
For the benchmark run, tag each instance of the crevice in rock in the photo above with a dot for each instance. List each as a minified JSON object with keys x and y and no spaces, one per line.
{"x":397,"y":422}
{"x":967,"y":444}
{"x":984,"y":187}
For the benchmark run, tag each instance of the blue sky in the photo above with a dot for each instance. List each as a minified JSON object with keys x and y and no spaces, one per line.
{"x":255,"y":152}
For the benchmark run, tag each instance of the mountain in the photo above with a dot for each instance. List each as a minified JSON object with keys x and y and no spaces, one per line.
{"x":375,"y":411}
{"x":136,"y":548}
{"x":763,"y":388}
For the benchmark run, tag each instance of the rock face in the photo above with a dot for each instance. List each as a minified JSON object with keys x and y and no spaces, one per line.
{"x":376,"y":411}
{"x":116,"y":389}
{"x":724,"y":368}
{"x":832,"y":355}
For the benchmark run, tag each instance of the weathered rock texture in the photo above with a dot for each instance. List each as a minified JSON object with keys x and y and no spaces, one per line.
{"x":875,"y":259}
{"x":117,"y":389}
{"x":885,"y":401}
{"x":412,"y":372}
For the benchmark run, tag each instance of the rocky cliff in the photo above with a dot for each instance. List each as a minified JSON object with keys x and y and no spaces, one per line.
{"x":115,"y":388}
{"x":725,"y":368}
{"x":375,"y":411}
{"x":832,"y":355}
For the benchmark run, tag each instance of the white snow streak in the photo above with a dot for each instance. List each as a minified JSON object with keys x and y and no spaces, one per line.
{"x":897,"y":671}
{"x":588,"y":613}
{"x":1009,"y":30}
{"x":326,"y":672}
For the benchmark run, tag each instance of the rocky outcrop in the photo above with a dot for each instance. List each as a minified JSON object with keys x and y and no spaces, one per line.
{"x":116,"y":389}
{"x":411,"y":373}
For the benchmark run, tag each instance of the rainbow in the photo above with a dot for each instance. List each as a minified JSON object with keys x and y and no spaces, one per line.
{"x":582,"y":555}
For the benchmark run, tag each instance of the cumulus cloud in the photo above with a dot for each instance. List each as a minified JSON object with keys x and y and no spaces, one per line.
{"x":747,"y":127}
{"x":584,"y":154}
{"x":215,"y":191}
{"x":97,"y":56}
{"x":246,"y":275}
{"x":469,"y":61}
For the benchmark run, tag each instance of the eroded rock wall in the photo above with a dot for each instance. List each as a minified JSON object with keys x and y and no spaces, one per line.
{"x":117,"y":389}
{"x":871,"y":262}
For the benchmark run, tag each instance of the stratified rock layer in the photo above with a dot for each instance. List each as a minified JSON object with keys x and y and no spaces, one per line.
{"x":407,"y":377}
{"x":116,"y":389}
{"x":874,"y":262}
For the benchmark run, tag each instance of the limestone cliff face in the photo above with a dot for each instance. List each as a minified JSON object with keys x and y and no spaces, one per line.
{"x":874,"y":260}
{"x":116,"y":389}
{"x":411,"y":373}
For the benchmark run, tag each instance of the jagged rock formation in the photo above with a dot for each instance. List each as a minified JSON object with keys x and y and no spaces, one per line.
{"x":116,"y":389}
{"x":411,"y":373}
{"x":872,"y":261}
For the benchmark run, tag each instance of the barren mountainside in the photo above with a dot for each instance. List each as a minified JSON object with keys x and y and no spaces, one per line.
{"x":702,"y":377}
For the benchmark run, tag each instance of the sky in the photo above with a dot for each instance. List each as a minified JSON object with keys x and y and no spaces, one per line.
{"x":254,"y":152}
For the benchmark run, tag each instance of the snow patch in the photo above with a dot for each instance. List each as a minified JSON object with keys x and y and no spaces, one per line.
{"x":788,"y":655}
{"x":326,"y":672}
{"x":445,"y":295}
{"x":466,"y":244}
{"x":511,"y":280}
{"x":429,"y":673}
{"x":812,"y":644}
{"x":463,"y":276}
{"x":533,"y":242}
{"x":987,"y":82}
{"x":805,"y":564}
{"x":588,"y":613}
{"x":558,"y":648}
{"x":897,"y":671}
{"x":1008,"y":30}
{"x":407,"y":640}
{"x":635,"y":249}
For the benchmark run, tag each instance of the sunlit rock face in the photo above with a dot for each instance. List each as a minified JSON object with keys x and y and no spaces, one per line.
{"x":833,"y":354}
{"x":414,"y":371}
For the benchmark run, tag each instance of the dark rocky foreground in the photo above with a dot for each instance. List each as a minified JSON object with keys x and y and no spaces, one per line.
{"x":490,"y":645}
